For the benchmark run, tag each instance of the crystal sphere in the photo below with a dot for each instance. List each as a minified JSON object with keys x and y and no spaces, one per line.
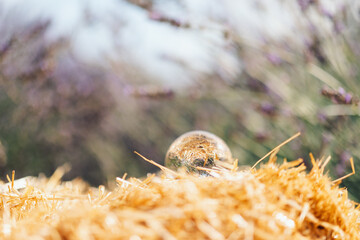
{"x":197,"y":149}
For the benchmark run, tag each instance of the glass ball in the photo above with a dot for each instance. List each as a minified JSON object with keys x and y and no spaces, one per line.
{"x":197,"y":149}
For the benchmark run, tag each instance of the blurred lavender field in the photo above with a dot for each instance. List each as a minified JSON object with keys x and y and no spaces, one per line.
{"x":88,"y":83}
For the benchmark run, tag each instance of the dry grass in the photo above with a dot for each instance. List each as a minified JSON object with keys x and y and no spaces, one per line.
{"x":272,"y":202}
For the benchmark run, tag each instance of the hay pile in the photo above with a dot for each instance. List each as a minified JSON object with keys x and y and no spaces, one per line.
{"x":273,"y":202}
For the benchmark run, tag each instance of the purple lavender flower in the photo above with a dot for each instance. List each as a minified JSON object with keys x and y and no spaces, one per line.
{"x":274,"y":59}
{"x":348,"y":98}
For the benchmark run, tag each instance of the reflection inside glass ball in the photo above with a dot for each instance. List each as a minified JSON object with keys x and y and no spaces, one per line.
{"x":197,"y":149}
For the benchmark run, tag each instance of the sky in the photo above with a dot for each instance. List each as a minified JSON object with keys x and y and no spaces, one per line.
{"x":117,"y":30}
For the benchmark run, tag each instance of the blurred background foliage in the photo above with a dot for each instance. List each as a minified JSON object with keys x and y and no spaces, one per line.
{"x":57,"y":108}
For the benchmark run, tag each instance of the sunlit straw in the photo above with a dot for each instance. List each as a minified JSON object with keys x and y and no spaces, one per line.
{"x":276,"y":148}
